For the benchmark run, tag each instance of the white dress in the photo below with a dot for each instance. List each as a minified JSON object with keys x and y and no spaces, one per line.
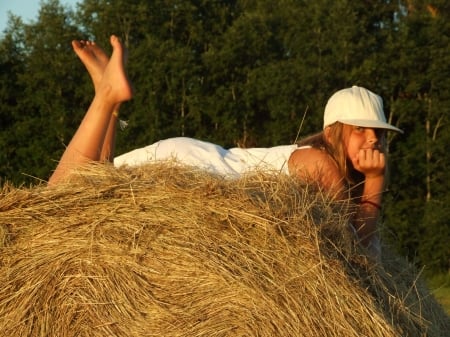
{"x":211,"y":157}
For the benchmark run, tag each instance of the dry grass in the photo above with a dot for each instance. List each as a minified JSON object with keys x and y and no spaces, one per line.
{"x":169,"y":251}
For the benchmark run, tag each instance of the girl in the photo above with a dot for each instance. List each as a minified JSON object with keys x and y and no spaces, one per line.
{"x":349,"y":152}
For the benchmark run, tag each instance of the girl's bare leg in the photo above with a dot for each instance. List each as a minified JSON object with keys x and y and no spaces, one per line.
{"x":109,"y":143}
{"x":111,"y":88}
{"x":95,"y":61}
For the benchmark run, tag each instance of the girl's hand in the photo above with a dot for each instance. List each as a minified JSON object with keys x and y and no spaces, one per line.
{"x":370,"y":162}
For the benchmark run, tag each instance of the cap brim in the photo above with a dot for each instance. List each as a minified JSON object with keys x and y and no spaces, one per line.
{"x":371,"y":124}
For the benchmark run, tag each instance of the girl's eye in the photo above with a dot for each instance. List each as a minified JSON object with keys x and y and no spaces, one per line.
{"x":380,"y":133}
{"x":359,"y":128}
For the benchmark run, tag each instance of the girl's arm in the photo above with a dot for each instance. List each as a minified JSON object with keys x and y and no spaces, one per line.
{"x":313,"y":165}
{"x":370,"y":162}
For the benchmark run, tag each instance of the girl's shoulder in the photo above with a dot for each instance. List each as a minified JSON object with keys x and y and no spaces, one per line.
{"x":315,"y":165}
{"x":308,"y":154}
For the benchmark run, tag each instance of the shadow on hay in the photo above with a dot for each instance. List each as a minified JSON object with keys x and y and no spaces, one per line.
{"x":166,"y":250}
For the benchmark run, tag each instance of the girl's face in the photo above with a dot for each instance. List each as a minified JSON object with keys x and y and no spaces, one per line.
{"x":358,"y":138}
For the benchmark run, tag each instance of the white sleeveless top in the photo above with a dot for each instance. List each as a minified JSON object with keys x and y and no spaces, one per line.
{"x":211,"y":157}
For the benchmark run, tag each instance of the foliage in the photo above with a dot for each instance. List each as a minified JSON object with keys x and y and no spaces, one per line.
{"x":244,"y":72}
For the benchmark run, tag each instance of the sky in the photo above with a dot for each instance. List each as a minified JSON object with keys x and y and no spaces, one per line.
{"x":26,"y":9}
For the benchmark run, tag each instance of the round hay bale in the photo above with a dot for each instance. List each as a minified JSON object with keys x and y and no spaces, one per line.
{"x":166,"y":250}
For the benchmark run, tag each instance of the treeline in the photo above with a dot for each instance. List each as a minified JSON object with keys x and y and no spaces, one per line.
{"x":247,"y":73}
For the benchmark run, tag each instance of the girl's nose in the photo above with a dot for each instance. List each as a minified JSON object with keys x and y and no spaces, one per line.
{"x":372,"y":138}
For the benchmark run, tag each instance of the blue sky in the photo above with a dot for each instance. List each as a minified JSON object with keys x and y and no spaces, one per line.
{"x":26,"y":9}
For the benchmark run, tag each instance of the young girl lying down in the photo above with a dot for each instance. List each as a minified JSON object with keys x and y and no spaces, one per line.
{"x":348,"y":152}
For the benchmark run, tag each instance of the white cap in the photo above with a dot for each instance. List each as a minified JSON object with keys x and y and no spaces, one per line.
{"x":356,"y":106}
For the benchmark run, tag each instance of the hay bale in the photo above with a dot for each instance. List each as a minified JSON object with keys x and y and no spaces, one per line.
{"x":166,"y":250}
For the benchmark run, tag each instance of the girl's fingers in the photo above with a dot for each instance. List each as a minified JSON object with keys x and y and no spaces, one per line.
{"x":370,"y":161}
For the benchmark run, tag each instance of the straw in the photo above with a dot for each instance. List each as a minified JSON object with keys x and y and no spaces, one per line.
{"x":168,"y":250}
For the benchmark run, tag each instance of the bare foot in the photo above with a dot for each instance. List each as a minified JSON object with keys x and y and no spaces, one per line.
{"x":94,"y":59}
{"x":114,"y":84}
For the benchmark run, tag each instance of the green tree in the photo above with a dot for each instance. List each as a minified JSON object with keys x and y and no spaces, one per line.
{"x":12,"y":57}
{"x":42,"y":92}
{"x":418,"y":215}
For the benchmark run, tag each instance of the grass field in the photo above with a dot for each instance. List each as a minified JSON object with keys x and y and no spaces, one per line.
{"x":443,"y":297}
{"x":440,"y":287}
